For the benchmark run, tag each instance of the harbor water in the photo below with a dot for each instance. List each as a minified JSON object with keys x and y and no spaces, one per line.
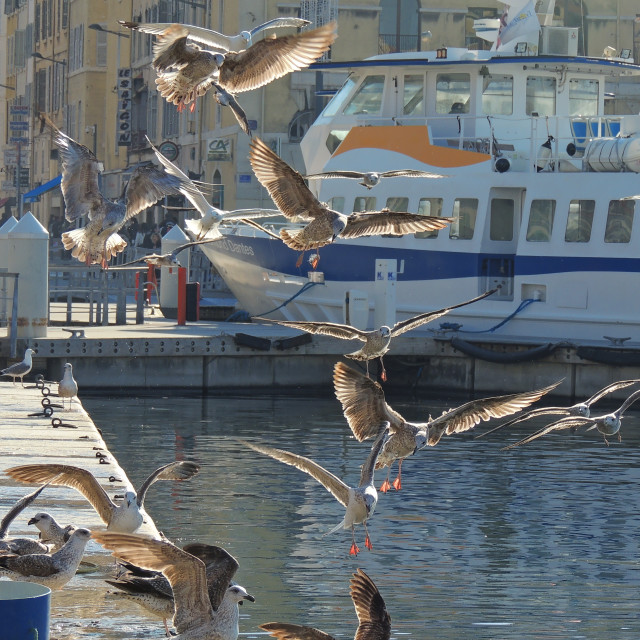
{"x":537,"y":542}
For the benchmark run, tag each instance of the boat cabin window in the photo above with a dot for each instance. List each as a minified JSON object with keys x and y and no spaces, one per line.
{"x":413,"y":97}
{"x":367,"y":98}
{"x":335,"y":137}
{"x":579,"y":221}
{"x":337,"y":203}
{"x":429,"y":207}
{"x":501,"y":223}
{"x":541,"y":95}
{"x":335,"y":104}
{"x":398,"y":203}
{"x":464,"y":212}
{"x":583,"y":97}
{"x":619,"y":221}
{"x":364,"y":203}
{"x":541,"y":217}
{"x":453,"y":92}
{"x":497,"y":95}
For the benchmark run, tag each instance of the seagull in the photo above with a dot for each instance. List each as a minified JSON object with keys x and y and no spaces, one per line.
{"x":154,"y":593}
{"x":217,"y":40}
{"x":167,"y":259}
{"x":607,"y":424}
{"x":378,"y":341}
{"x":186,"y":71}
{"x":99,"y":240}
{"x":127,"y":517}
{"x":360,"y":502}
{"x":294,"y":199}
{"x":51,"y":533}
{"x":67,"y":387}
{"x":211,"y":216}
{"x":580,"y":409}
{"x":20,"y":369}
{"x":364,"y":407}
{"x":52,"y":571}
{"x":226,"y":99}
{"x":20,"y":546}
{"x":374,"y":623}
{"x":195,"y":618}
{"x":370,"y":179}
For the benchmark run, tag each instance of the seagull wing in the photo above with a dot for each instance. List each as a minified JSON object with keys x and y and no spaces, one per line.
{"x":470,"y":414}
{"x":336,"y":487}
{"x":410,"y":173}
{"x":628,"y":402}
{"x":412,"y":323}
{"x":369,"y":223}
{"x":147,"y":185}
{"x":363,"y":403}
{"x":366,"y":473}
{"x":621,"y":384}
{"x":285,"y":631}
{"x":243,"y":214}
{"x":235,"y":107}
{"x":279,"y":23}
{"x":40,"y":564}
{"x":17,"y":508}
{"x":343,"y":331}
{"x":375,"y":622}
{"x":197,"y":34}
{"x":354,"y":175}
{"x":284,"y":184}
{"x":79,"y":479}
{"x":564,"y":423}
{"x":182,"y":470}
{"x":172,"y":51}
{"x":273,"y":58}
{"x":185,"y":572}
{"x":542,"y":411}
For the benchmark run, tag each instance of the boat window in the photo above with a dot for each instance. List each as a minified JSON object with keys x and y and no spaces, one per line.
{"x":398,"y":203}
{"x":453,"y":93}
{"x":501,"y":223}
{"x":541,"y":95}
{"x":334,"y":105}
{"x":464,"y":212}
{"x":583,"y":97}
{"x":579,"y":221}
{"x":413,"y":98}
{"x":335,"y":137}
{"x":364,"y":203}
{"x":541,"y":220}
{"x":336,"y":203}
{"x":497,"y":95}
{"x":368,"y":97}
{"x":619,"y":221}
{"x":429,"y":207}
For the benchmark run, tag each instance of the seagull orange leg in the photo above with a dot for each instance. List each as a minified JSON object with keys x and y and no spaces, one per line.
{"x":386,"y":485}
{"x":397,"y":483}
{"x":367,"y":540}
{"x":354,"y":547}
{"x":383,"y":375}
{"x":299,"y":261}
{"x":314,"y":262}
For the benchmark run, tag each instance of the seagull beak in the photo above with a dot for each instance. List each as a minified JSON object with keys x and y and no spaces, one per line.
{"x":33,"y":521}
{"x":249,"y":597}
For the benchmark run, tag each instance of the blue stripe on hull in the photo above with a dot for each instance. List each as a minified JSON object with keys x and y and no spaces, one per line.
{"x":355,"y":263}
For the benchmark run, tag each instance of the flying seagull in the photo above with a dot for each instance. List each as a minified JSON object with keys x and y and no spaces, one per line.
{"x":370,"y":179}
{"x":20,"y":369}
{"x":216,"y":40}
{"x":195,"y":618}
{"x":364,"y":406}
{"x":167,"y":259}
{"x":226,"y":99}
{"x":154,"y":592}
{"x":295,"y":200}
{"x":374,"y":623}
{"x":211,"y":216}
{"x":50,"y":532}
{"x":99,"y":241}
{"x":377,"y":341}
{"x":52,"y":571}
{"x":607,"y":424}
{"x":126,"y":517}
{"x":67,"y":387}
{"x":360,"y":502}
{"x":580,"y":409}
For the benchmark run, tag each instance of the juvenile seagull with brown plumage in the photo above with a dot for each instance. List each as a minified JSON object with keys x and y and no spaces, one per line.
{"x":288,"y":190}
{"x":364,"y":407}
{"x":374,"y":623}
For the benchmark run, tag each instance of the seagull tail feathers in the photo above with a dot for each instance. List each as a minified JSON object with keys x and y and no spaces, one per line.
{"x":81,"y":246}
{"x":339,"y":526}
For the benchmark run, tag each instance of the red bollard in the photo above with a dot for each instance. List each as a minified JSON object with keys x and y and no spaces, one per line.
{"x":182,"y":295}
{"x":151,"y":277}
{"x":137,"y":285}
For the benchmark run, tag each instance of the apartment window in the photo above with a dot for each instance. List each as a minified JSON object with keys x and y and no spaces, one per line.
{"x":619,"y":221}
{"x":76,"y":48}
{"x":579,"y":221}
{"x":18,"y":51}
{"x":36,"y":23}
{"x":429,"y":207}
{"x":541,"y":96}
{"x":101,"y":48}
{"x":464,"y":214}
{"x":453,"y":92}
{"x":170,"y":120}
{"x":44,"y":19}
{"x":501,"y":223}
{"x":541,"y":217}
{"x":41,"y":90}
{"x":152,"y":115}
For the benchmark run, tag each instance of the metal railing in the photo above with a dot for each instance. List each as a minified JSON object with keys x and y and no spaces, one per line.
{"x":4,"y":298}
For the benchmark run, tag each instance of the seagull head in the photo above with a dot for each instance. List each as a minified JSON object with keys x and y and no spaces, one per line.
{"x":218,"y":59}
{"x":384,"y":331}
{"x":339,"y":223}
{"x":583,"y":410}
{"x":83,"y":535}
{"x":68,"y":366}
{"x":29,"y":352}
{"x":371,"y":179}
{"x":421,"y":440}
{"x":610,"y":425}
{"x":112,"y":221}
{"x":41,"y":520}
{"x":130,"y":498}
{"x":238,"y":593}
{"x":246,"y":38}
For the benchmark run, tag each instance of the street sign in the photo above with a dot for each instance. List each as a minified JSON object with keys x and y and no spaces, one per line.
{"x":8,"y":186}
{"x":124,"y":107}
{"x":19,"y":139}
{"x":24,"y":177}
{"x":18,"y":125}
{"x":19,"y":110}
{"x":10,"y":156}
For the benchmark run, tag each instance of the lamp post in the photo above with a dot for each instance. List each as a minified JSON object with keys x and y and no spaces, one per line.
{"x":39,"y":56}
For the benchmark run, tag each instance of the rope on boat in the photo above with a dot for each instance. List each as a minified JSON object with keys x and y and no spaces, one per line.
{"x":456,"y":327}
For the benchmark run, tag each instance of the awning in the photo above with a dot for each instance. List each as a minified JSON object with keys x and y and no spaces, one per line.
{"x":32,"y":196}
{"x":3,"y":201}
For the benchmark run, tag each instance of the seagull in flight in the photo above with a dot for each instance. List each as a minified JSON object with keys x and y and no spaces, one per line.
{"x":374,"y":623}
{"x":370,"y":179}
{"x":288,"y":190}
{"x":364,"y":406}
{"x":226,"y":99}
{"x":377,"y":341}
{"x":20,"y":369}
{"x":167,"y":259}
{"x":126,"y":517}
{"x":360,"y":502}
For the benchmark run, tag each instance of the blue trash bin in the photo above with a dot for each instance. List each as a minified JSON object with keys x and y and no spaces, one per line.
{"x":24,"y":610}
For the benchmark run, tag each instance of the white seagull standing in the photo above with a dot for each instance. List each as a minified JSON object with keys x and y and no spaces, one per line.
{"x":360,"y":502}
{"x":50,"y":532}
{"x":20,"y":369}
{"x":126,"y":517}
{"x":67,"y":387}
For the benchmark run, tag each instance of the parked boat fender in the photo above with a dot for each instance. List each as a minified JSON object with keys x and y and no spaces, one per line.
{"x":544,"y":155}
{"x":614,"y":154}
{"x":489,"y":355}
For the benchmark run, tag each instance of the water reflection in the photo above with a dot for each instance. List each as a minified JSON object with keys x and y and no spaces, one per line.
{"x":539,"y":542}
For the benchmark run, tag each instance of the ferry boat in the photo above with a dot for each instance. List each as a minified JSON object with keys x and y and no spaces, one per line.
{"x":540,"y":160}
